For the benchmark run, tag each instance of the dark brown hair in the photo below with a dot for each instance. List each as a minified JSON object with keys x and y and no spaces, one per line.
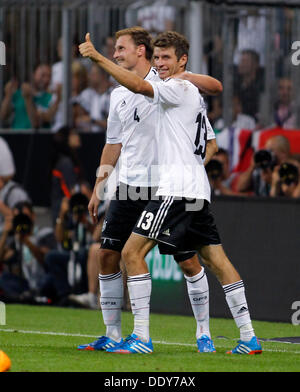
{"x":173,"y":39}
{"x":139,"y":36}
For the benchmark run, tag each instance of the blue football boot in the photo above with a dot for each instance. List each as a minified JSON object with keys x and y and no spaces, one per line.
{"x":132,"y":345}
{"x":101,"y":344}
{"x":251,"y":347}
{"x":205,"y":345}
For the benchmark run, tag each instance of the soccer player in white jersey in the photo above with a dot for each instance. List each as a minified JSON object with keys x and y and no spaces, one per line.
{"x":131,"y":135}
{"x":174,"y":219}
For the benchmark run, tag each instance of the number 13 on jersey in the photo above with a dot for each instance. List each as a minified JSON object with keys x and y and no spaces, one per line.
{"x":201,"y":136}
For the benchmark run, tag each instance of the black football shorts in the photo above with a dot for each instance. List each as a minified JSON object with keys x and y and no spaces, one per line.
{"x":178,"y":224}
{"x":122,"y":215}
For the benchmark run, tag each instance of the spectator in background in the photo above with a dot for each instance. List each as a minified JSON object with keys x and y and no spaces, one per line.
{"x":283,"y":37}
{"x":108,"y":49}
{"x":46,"y":103}
{"x":219,"y":175}
{"x":228,"y":138}
{"x":66,"y":170}
{"x":157,"y":17}
{"x":280,"y":146}
{"x":67,"y":265}
{"x":17,"y":107}
{"x":31,"y":105}
{"x":57,"y":68}
{"x":90,"y":298}
{"x":286,"y":181}
{"x":251,"y":33}
{"x":95,"y":102}
{"x":23,"y":247}
{"x":258,"y":177}
{"x":248,"y":82}
{"x":10,"y":191}
{"x":215,"y":115}
{"x":79,"y":82}
{"x":284,"y":109}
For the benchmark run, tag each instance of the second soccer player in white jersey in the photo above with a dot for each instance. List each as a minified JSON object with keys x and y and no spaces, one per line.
{"x":131,"y":139}
{"x":174,"y":219}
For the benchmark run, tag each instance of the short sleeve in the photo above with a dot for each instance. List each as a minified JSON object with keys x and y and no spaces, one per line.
{"x":17,"y":195}
{"x":114,"y":125}
{"x":210,"y":132}
{"x":168,"y":92}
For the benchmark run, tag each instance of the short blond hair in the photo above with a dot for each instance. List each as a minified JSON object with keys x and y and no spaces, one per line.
{"x":139,"y":36}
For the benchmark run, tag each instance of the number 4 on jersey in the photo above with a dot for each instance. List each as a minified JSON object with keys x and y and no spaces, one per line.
{"x":201,"y":136}
{"x":135,"y":116}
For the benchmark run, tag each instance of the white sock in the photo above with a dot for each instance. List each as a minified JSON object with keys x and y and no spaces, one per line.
{"x":198,"y":292}
{"x":139,"y":289}
{"x":236,"y":300}
{"x":111,"y":301}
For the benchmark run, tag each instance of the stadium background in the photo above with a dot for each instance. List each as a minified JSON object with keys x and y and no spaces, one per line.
{"x":260,"y":235}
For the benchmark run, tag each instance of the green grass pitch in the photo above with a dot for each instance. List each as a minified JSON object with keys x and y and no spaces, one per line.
{"x":44,"y":339}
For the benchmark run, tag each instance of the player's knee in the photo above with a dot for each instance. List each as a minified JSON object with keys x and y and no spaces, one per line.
{"x":109,"y":261}
{"x":216,"y":267}
{"x":94,"y":249}
{"x":207,"y":262}
{"x":129,"y":255}
{"x":190,"y":267}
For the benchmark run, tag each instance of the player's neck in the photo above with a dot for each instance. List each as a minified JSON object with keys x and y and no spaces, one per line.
{"x":142,"y":69}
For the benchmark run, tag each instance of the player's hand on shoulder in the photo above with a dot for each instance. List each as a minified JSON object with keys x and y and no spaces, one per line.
{"x":180,"y":75}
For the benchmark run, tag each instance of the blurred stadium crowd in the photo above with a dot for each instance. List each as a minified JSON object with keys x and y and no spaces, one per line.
{"x":57,"y":264}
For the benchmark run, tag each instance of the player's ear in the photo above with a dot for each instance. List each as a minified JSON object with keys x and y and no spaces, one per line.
{"x":141,"y":50}
{"x":183,"y":60}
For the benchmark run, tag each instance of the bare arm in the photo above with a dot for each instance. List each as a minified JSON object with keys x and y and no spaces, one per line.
{"x":6,"y":105}
{"x":48,"y":115}
{"x":245,"y":179}
{"x":126,"y":78}
{"x":296,"y":193}
{"x":3,"y":238}
{"x":60,"y":221}
{"x":211,"y":149}
{"x":206,"y":84}
{"x":37,"y":252}
{"x":30,"y":108}
{"x":108,"y":161}
{"x":8,"y":225}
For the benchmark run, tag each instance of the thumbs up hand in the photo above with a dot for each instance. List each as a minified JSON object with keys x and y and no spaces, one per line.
{"x":87,"y":48}
{"x":88,"y":37}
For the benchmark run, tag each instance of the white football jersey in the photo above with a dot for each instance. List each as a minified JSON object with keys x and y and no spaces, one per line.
{"x":132,"y":121}
{"x":183,"y":131}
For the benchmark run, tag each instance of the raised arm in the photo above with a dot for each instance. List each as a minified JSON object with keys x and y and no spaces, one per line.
{"x":206,"y":84}
{"x":126,"y":78}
